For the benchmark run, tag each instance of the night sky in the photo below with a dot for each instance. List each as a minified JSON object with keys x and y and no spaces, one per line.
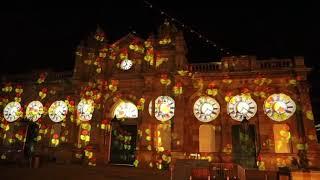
{"x":46,"y":37}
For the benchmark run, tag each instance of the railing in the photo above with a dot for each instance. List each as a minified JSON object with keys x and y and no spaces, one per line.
{"x":59,"y":75}
{"x":216,"y":171}
{"x":272,"y":64}
{"x":205,"y":67}
{"x":224,"y":171}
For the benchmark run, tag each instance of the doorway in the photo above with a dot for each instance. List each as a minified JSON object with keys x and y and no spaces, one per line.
{"x":31,"y":135}
{"x":123,"y":143}
{"x":244,"y":146}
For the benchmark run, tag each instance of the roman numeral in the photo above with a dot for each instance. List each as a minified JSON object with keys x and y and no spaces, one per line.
{"x":288,"y":111}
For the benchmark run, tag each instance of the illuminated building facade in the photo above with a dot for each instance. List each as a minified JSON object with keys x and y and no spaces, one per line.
{"x":140,"y":102}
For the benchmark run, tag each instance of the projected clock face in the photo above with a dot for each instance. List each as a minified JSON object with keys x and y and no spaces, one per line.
{"x":12,"y":111}
{"x":164,"y":108}
{"x":58,"y":111}
{"x":206,"y":109}
{"x":279,"y":107}
{"x":126,"y":110}
{"x":150,"y":109}
{"x":34,"y":111}
{"x":85,"y":109}
{"x":126,"y":64}
{"x":241,"y":106}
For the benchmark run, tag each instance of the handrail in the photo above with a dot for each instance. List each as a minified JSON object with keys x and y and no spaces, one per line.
{"x":205,"y":67}
{"x":274,"y":63}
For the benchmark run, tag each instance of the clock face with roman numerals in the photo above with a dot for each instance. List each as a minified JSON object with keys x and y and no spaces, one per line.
{"x":279,"y":107}
{"x":206,"y":109}
{"x":85,"y":109}
{"x":126,"y":64}
{"x":58,"y":111}
{"x":11,"y":111}
{"x":164,"y":108}
{"x":241,"y":106}
{"x":34,"y":110}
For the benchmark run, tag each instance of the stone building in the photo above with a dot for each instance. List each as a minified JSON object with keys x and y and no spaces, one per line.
{"x":138,"y":101}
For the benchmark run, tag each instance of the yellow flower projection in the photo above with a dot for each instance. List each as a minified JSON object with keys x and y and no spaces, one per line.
{"x":309,"y":115}
{"x":165,"y":41}
{"x":125,"y":109}
{"x":212,"y":92}
{"x":177,"y":89}
{"x":85,"y":132}
{"x":164,"y":108}
{"x":12,"y":111}
{"x":279,"y":107}
{"x":34,"y":110}
{"x":85,"y":109}
{"x":58,"y":111}
{"x":281,"y":138}
{"x":241,"y":106}
{"x":206,"y":109}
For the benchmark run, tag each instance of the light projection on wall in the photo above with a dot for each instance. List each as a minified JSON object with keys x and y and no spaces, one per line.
{"x":281,"y":133}
{"x":207,"y":138}
{"x":279,"y":107}
{"x":206,"y":109}
{"x":125,"y":109}
{"x":241,"y":106}
{"x":12,"y":111}
{"x":150,"y":107}
{"x":34,"y":110}
{"x":58,"y":111}
{"x":164,"y":108}
{"x":126,"y":64}
{"x":85,"y":109}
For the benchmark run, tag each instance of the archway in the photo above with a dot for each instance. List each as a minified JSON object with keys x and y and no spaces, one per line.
{"x":123,"y":133}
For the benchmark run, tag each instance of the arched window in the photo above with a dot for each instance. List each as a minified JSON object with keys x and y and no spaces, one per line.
{"x":282,"y":137}
{"x":207,"y":138}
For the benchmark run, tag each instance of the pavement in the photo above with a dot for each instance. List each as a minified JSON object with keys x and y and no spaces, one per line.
{"x":78,"y":172}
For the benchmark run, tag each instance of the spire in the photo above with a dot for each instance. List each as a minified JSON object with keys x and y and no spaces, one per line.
{"x":167,"y":29}
{"x":99,"y":35}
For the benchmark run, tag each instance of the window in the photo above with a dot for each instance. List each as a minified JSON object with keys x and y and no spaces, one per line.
{"x":164,"y":136}
{"x":207,"y":138}
{"x":282,"y":136}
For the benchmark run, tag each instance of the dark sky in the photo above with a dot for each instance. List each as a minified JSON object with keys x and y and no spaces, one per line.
{"x":34,"y":37}
{"x":45,"y":37}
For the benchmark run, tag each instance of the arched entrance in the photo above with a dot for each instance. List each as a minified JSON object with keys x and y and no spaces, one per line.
{"x":123,"y":133}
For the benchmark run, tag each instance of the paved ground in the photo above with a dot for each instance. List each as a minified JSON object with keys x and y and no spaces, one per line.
{"x":77,"y":172}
